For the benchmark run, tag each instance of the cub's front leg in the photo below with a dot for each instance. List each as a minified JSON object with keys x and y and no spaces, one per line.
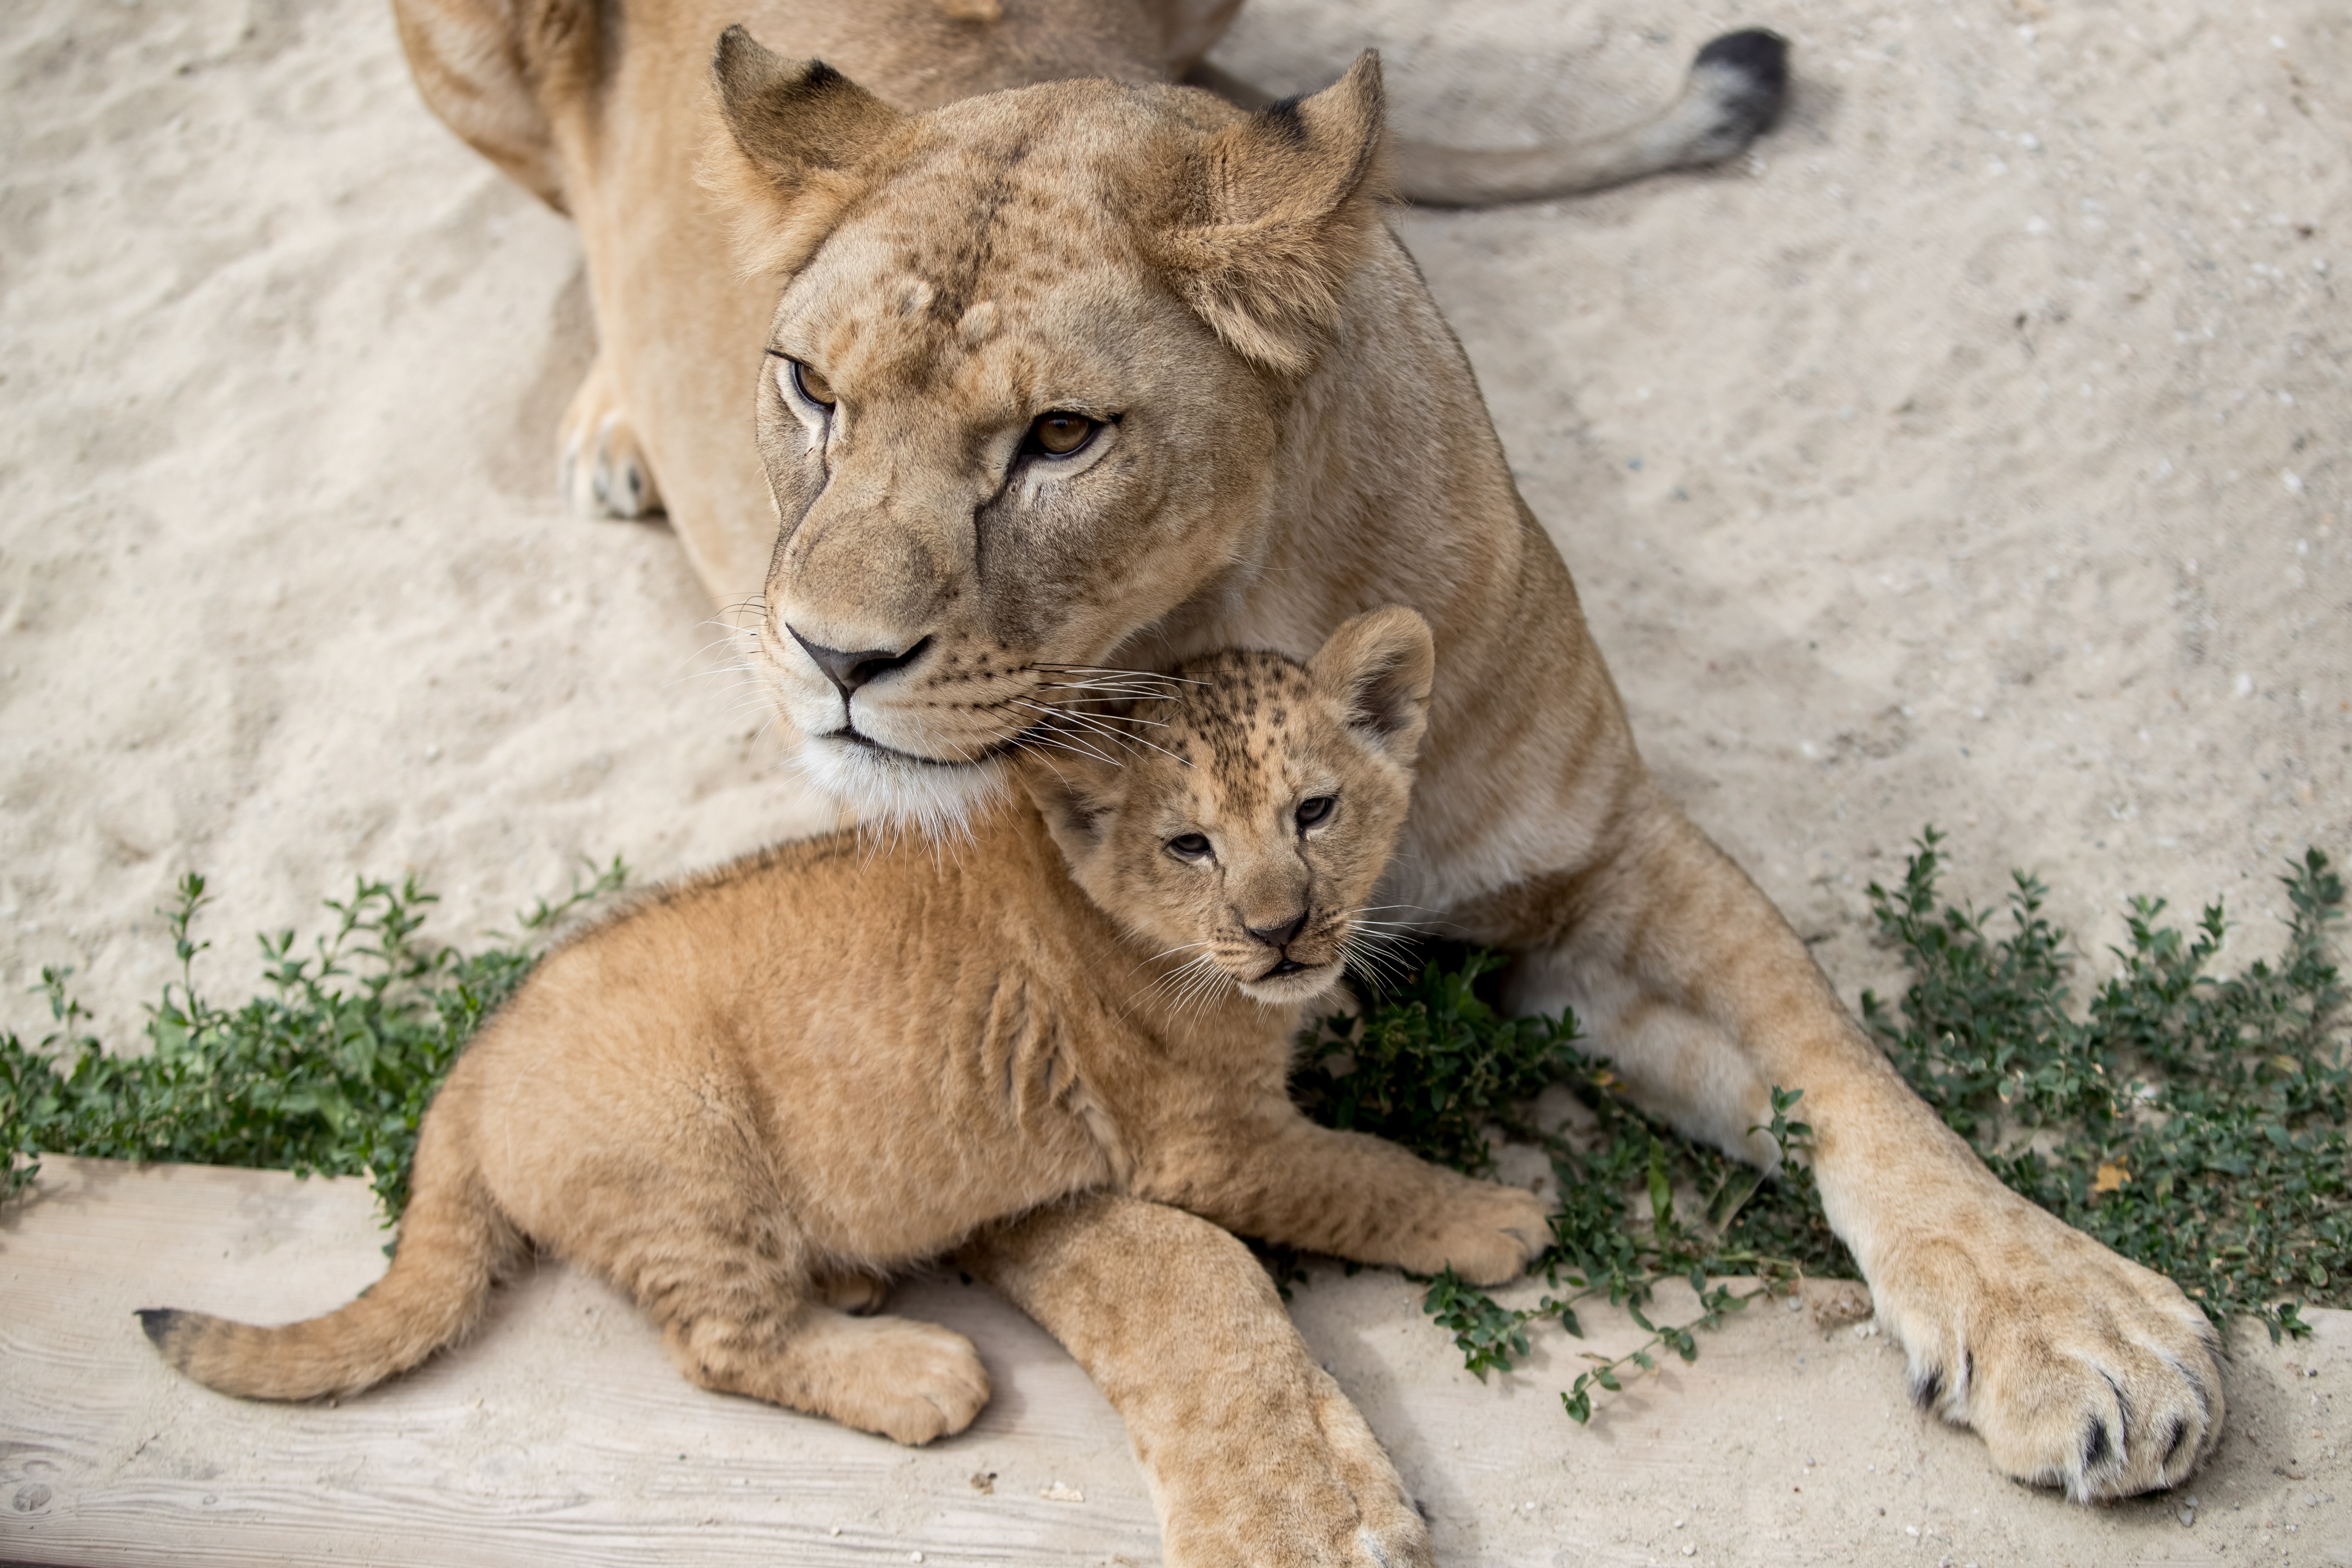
{"x":1256,"y":1458}
{"x":1281,"y":1177}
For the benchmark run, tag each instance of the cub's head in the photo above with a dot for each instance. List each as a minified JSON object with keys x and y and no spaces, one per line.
{"x":1025,"y":385}
{"x":1245,"y":838}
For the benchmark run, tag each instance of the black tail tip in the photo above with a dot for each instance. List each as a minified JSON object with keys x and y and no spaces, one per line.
{"x":1757,"y":53}
{"x":1746,"y":74}
{"x":159,"y":1323}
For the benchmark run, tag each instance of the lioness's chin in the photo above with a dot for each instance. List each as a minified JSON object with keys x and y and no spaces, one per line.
{"x":889,"y":788}
{"x":1296,"y":989}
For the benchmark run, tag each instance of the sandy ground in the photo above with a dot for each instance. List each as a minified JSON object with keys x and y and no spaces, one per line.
{"x":1974,"y":454}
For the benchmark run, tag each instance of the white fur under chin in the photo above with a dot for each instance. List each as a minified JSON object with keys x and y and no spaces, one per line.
{"x":879,"y":790}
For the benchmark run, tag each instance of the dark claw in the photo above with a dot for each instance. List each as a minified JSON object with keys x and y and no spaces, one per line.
{"x":2172,"y":1445}
{"x":1927,"y":1388}
{"x":2096,"y":1446}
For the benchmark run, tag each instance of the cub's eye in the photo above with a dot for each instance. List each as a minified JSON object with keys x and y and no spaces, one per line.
{"x":1311,"y":812}
{"x":811,"y":385}
{"x":1061,"y":435}
{"x":1190,"y":847}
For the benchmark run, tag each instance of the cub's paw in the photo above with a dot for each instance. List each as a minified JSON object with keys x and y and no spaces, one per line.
{"x":602,"y":470}
{"x":913,"y":1381}
{"x":1486,"y":1233}
{"x":1289,"y":1477}
{"x":1390,"y":1532}
{"x":2079,"y":1369}
{"x":860,"y":1294}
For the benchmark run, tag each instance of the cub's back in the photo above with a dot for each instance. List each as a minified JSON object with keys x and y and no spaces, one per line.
{"x":846,"y":1017}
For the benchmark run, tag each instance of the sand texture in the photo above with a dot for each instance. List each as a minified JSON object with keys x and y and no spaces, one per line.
{"x":1975,"y":453}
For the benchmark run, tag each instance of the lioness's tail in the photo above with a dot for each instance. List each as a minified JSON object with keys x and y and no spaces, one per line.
{"x":454,"y":1242}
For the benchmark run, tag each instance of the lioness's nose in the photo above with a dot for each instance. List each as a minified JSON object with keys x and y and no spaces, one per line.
{"x":851,"y":671}
{"x":1278,"y":936}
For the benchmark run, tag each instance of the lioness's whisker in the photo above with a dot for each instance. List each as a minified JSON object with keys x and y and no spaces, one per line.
{"x":1075,"y":712}
{"x":1097,"y":725}
{"x":1111,"y":693}
{"x":1135,"y":674}
{"x":1114,"y":684}
{"x":1066,"y":743}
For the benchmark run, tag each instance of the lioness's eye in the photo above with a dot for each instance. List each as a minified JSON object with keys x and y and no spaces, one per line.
{"x":811,"y":385}
{"x":1189,"y":846}
{"x":1311,"y":812}
{"x":1058,"y":435}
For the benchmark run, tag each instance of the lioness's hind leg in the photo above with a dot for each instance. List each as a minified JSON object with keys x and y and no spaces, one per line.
{"x":602,"y":470}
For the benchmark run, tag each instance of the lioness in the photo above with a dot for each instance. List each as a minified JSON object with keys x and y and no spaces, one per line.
{"x":832,"y":1061}
{"x":1106,"y":371}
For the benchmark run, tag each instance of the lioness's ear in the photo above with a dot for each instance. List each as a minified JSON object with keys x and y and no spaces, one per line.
{"x":1378,"y":667}
{"x":794,"y":132}
{"x":1273,"y":214}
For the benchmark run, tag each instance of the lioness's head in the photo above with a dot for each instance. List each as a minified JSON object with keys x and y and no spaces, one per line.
{"x":1026,"y":383}
{"x":1243,"y":829}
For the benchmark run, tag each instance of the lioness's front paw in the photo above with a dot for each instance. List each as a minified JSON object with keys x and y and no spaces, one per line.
{"x":1487,"y":1233}
{"x":2078,"y":1368}
{"x":602,"y":472}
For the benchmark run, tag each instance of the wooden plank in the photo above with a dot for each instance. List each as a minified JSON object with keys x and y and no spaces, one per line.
{"x":561,"y":1435}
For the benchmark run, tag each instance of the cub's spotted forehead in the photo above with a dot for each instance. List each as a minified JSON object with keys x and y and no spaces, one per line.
{"x":1238,"y":719}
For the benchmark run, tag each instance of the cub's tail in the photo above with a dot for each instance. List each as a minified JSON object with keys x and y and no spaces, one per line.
{"x":454,"y":1243}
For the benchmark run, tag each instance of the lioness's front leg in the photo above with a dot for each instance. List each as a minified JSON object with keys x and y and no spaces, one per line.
{"x":1254,"y":1457}
{"x":2077,"y":1367}
{"x":602,"y":468}
{"x":1281,"y":1177}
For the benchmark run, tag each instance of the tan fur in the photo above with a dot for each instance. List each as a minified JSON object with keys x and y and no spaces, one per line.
{"x":834,"y":1060}
{"x":1290,"y":435}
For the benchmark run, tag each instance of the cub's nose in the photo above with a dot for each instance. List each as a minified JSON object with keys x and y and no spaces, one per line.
{"x":850,"y":671}
{"x":1278,"y":936}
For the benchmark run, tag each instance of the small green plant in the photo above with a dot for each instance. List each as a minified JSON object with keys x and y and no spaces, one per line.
{"x":329,"y":1069}
{"x":1432,"y":1064}
{"x":2194,"y":1123}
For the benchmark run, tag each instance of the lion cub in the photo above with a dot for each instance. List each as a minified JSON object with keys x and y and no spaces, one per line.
{"x":827,"y":1062}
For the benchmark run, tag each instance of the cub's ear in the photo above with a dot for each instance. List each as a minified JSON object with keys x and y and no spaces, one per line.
{"x":1271,"y":216}
{"x":1075,"y":795}
{"x":1378,"y":667}
{"x":791,"y":136}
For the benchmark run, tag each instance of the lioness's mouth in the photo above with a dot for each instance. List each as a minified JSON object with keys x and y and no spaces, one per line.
{"x":849,"y":734}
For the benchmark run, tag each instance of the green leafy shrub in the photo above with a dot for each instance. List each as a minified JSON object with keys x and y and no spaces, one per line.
{"x":2193,"y":1123}
{"x":329,"y":1069}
